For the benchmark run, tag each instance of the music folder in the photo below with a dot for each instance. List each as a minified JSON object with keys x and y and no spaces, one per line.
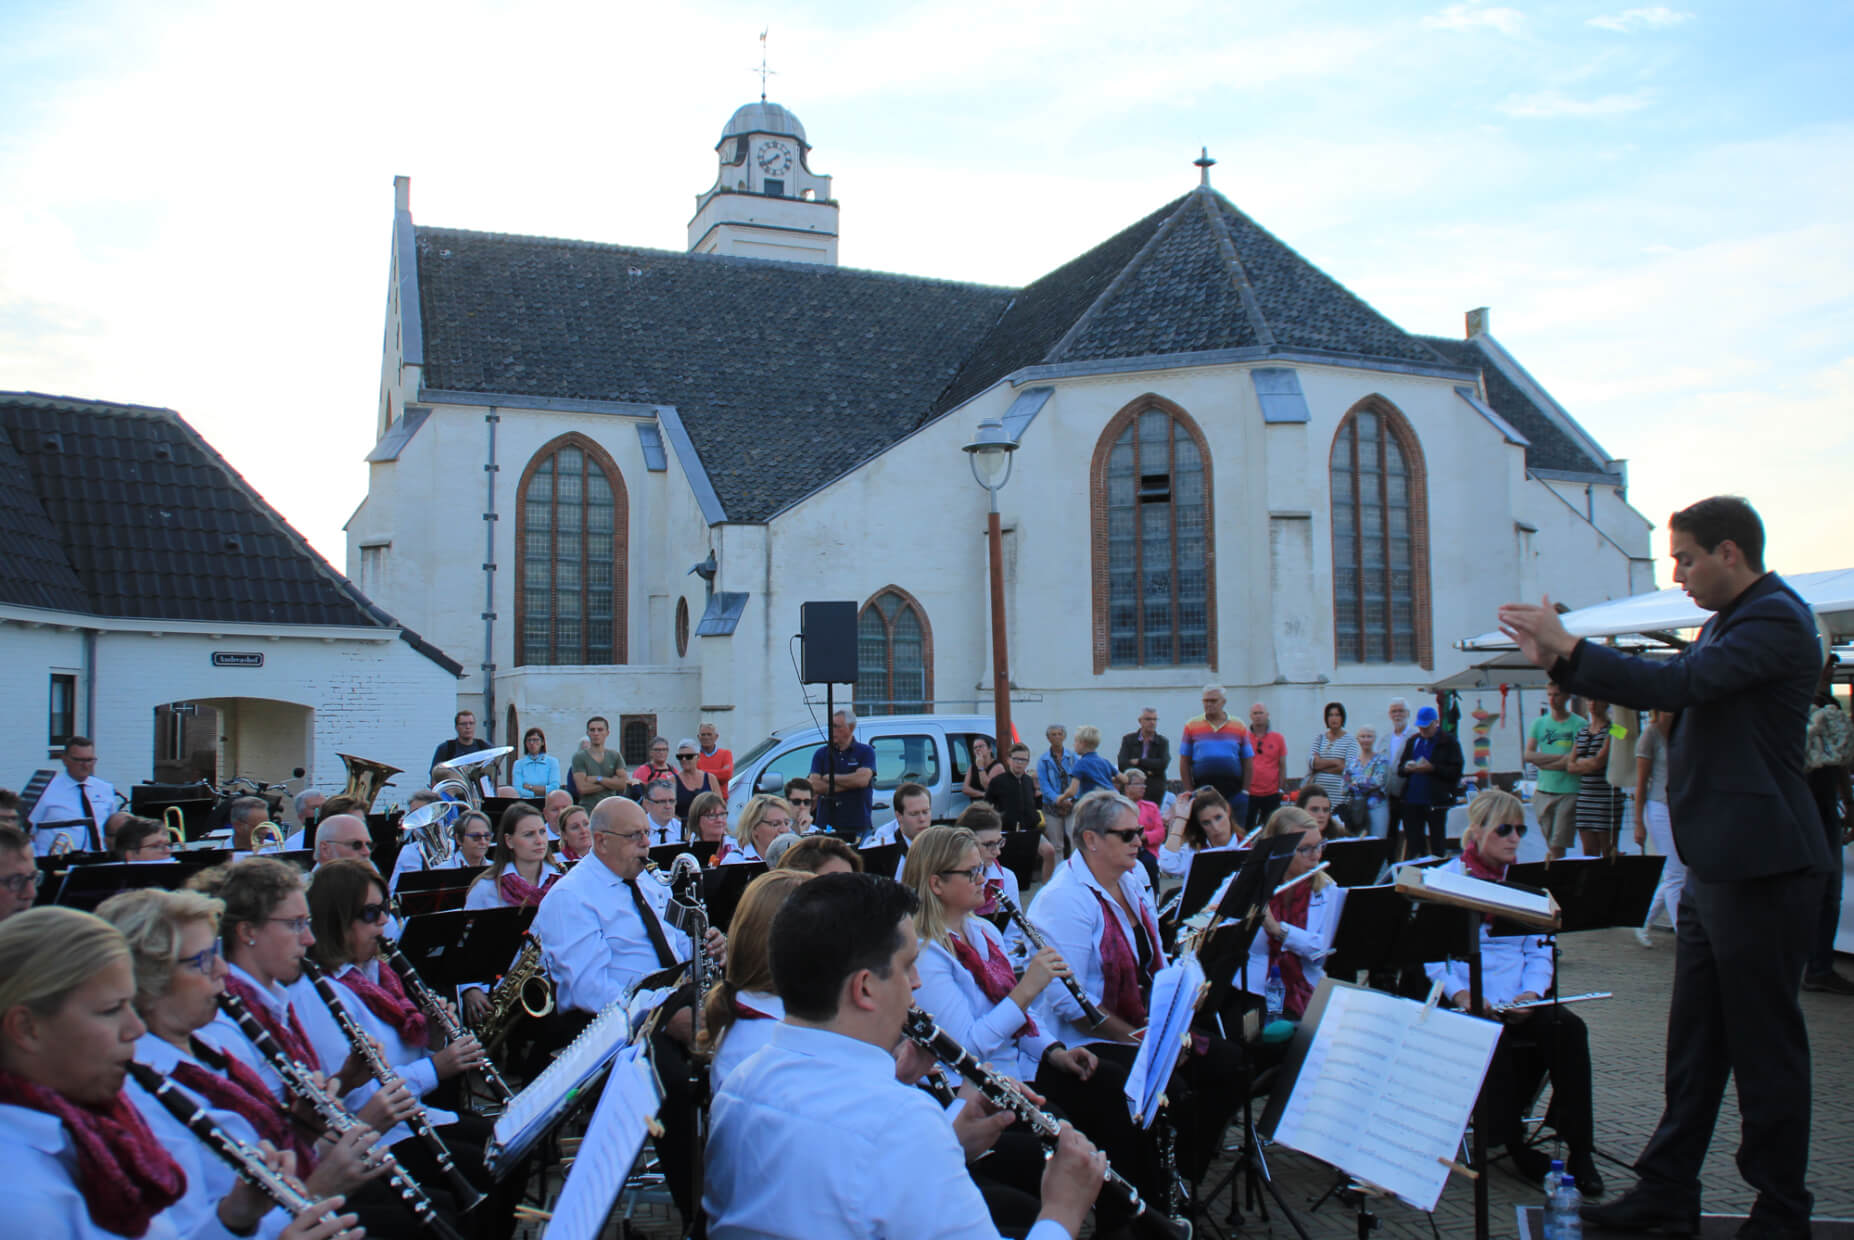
{"x":454,"y":948}
{"x":87,"y":886}
{"x":435,"y":891}
{"x":1208,"y":871}
{"x":1595,"y":893}
{"x":722,"y":888}
{"x":1355,"y":862}
{"x":627,"y":1106}
{"x":665,"y":854}
{"x":883,"y":859}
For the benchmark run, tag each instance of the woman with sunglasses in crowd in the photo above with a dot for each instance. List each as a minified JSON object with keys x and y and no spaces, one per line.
{"x":692,"y":781}
{"x":81,"y":1160}
{"x":1518,"y":969}
{"x":519,"y":875}
{"x":1298,"y":924}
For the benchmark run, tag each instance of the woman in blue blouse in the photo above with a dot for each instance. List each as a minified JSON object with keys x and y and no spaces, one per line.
{"x":1365,"y":773}
{"x":536,"y":772}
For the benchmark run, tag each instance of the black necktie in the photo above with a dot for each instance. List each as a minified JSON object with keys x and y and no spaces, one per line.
{"x":90,"y":816}
{"x":648,"y":916}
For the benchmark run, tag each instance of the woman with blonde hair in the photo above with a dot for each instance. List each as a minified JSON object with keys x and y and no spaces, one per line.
{"x":740,"y":1013}
{"x":762,"y":820}
{"x":81,"y":1161}
{"x":1298,"y":924}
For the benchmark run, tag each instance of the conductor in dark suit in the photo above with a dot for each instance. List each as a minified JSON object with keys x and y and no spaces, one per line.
{"x":1756,"y":860}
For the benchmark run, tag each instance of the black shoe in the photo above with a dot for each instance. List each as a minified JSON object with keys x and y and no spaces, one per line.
{"x":1830,"y":982}
{"x":1645,"y":1209}
{"x":1583,"y":1169}
{"x":1528,"y":1164}
{"x":1765,"y":1228}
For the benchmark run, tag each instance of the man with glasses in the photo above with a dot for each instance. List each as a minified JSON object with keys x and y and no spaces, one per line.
{"x":19,"y":873}
{"x":75,"y":804}
{"x":466,"y":740}
{"x":660,"y":808}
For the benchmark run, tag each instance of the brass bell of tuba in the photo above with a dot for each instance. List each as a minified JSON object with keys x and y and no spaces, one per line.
{"x":365,"y":779}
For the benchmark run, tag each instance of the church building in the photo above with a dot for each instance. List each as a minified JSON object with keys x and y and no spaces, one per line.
{"x":606,"y":478}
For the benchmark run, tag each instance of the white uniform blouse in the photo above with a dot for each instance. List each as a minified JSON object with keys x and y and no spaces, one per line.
{"x":958,"y":1005}
{"x":412,"y":1064}
{"x":486,"y":893}
{"x":1511,"y":965}
{"x":1177,"y":861}
{"x":744,"y":1036}
{"x":1312,"y":942}
{"x":1069,"y":914}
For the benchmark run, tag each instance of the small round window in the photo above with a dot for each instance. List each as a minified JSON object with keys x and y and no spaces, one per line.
{"x":682,"y":628}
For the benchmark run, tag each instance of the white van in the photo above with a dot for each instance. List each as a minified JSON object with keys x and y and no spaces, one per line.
{"x":931,"y":750}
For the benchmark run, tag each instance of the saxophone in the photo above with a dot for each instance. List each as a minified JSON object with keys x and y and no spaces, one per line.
{"x":525,"y":988}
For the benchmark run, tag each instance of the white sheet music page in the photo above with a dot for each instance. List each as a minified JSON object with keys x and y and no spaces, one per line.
{"x":619,"y":1124}
{"x":1489,"y":893}
{"x":1387,"y":1089}
{"x":1174,"y":1002}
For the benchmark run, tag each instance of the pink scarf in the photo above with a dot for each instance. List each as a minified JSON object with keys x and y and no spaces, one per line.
{"x":1121,"y":992}
{"x":125,"y":1175}
{"x":232,"y":1086}
{"x":387,"y":1000}
{"x":994,"y":887}
{"x":290,"y":1037}
{"x":993,"y":974}
{"x":519,"y":892}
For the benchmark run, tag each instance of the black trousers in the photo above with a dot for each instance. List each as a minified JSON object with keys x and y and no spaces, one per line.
{"x":1550,"y":1042}
{"x":1824,"y":785}
{"x":1098,"y":1106}
{"x":1425,"y":827}
{"x":1739,"y":952}
{"x":1019,"y":856}
{"x":494,"y":1217}
{"x":1259,"y":810}
{"x":1205,"y":1091}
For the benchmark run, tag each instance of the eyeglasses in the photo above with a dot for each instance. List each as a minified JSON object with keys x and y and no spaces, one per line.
{"x":1310,"y":850}
{"x":1126,"y":835}
{"x":715,"y":813}
{"x":202,"y":962}
{"x":780,"y":823}
{"x":974,"y":875}
{"x":1507,"y":828}
{"x":29,"y":881}
{"x":629,"y":837}
{"x":365,"y":846}
{"x":478,"y":836}
{"x":659,"y":800}
{"x":991,"y":845}
{"x":373,"y":914}
{"x":296,"y":924}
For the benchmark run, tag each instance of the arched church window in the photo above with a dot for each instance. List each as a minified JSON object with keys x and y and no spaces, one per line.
{"x":894,"y":656}
{"x":570,"y":556}
{"x":1153,"y":562}
{"x":1380,"y":539}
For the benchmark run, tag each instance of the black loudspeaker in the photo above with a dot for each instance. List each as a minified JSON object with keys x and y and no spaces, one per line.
{"x":827,"y":643}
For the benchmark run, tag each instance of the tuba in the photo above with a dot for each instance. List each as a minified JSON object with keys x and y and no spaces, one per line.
{"x":365,"y":779}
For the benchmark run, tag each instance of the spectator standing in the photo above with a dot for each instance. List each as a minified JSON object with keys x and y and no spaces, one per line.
{"x":1013,"y":793}
{"x":1091,"y":773}
{"x":1431,"y":768}
{"x":1828,"y":748}
{"x":74,"y":795}
{"x":536,"y":772}
{"x":597,"y":771}
{"x":1146,"y":749}
{"x":1365,"y":774}
{"x":466,"y":740}
{"x":1217,"y":752}
{"x":1651,"y":821}
{"x":979,"y":771}
{"x":1331,"y":750}
{"x":1265,"y":771}
{"x":1549,"y":742}
{"x":712,"y":758}
{"x":843,"y":779}
{"x":1394,"y":738}
{"x":691,"y":780}
{"x":1599,"y":805}
{"x":657,"y":764}
{"x":1052,"y":780}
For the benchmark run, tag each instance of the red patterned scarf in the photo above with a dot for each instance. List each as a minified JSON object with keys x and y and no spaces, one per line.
{"x":1476,"y":866}
{"x":228,"y":1084}
{"x":993,"y":974}
{"x":1122,"y":991}
{"x":288,"y":1034}
{"x":125,"y":1175}
{"x":387,"y":1000}
{"x":518,"y":892}
{"x":1290,"y":909}
{"x":744,"y":1012}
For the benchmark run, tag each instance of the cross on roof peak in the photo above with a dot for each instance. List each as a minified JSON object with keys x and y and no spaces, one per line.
{"x":1202,"y":163}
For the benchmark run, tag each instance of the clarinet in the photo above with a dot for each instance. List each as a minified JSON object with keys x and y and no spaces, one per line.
{"x":244,"y":1159}
{"x":1001,"y":1093}
{"x":434,"y":1007}
{"x":1093,"y":1015}
{"x":464,"y":1193}
{"x":300,"y":1081}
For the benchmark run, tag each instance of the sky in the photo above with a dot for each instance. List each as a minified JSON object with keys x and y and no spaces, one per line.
{"x":196,"y":198}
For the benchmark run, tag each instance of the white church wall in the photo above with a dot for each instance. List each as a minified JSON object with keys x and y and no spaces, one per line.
{"x":29,"y":656}
{"x":1577,"y":563}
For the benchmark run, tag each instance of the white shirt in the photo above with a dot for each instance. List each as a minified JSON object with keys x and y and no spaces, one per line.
{"x":740,"y":854}
{"x":1511,"y":965}
{"x":42,"y":1196}
{"x":592,"y":940}
{"x":485,"y":892}
{"x":1177,"y":861}
{"x":1070,"y":916}
{"x":60,"y":803}
{"x":411,"y":1063}
{"x":745,"y":1035}
{"x":209,"y":1177}
{"x":1312,"y":942}
{"x":224,"y":1034}
{"x":897,"y":1172}
{"x":669,"y":833}
{"x":959,"y":1006}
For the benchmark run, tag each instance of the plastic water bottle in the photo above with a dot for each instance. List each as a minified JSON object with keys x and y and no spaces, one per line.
{"x":1275,"y":992}
{"x":1553,"y":1178}
{"x":1564,"y":1212}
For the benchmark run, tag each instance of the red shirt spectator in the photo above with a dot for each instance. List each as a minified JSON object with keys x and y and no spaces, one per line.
{"x":1270,"y":753}
{"x":710,"y":757}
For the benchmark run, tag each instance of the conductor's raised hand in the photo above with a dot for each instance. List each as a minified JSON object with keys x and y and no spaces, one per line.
{"x":1072,"y":1179}
{"x":1540,"y":634}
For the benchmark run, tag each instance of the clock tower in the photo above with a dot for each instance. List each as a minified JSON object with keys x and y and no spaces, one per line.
{"x":766,"y":202}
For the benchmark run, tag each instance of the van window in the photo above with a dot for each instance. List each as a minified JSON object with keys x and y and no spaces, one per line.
{"x":906,"y":759}
{"x":793,"y":764}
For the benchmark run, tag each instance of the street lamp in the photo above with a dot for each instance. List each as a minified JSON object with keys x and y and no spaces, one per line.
{"x":990,"y":455}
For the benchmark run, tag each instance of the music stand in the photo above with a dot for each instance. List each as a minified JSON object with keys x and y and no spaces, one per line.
{"x":1208,"y":870}
{"x":722,"y":888}
{"x":665,"y":854}
{"x":495,"y":807}
{"x":624,"y":1116}
{"x":1595,"y":893}
{"x":454,"y":948}
{"x":1355,"y":862}
{"x":435,"y":891}
{"x":87,"y":886}
{"x":883,"y":859}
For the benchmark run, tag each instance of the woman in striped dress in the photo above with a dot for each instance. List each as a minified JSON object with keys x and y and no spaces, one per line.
{"x":1599,"y":803}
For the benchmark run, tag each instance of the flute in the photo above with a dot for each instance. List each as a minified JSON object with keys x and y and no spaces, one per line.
{"x":439,"y":1012}
{"x":284,"y":1190}
{"x":462,"y":1191}
{"x":1004,"y":1094}
{"x":1092,"y":1015}
{"x":336,"y":1119}
{"x":1550,"y":1002}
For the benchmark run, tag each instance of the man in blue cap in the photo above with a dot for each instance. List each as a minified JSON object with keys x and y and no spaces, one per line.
{"x":1431,"y":767}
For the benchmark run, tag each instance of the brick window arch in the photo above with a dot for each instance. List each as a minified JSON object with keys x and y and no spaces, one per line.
{"x":1153,"y":553}
{"x":570,"y":556}
{"x":894,"y":655}
{"x":1380,"y":511}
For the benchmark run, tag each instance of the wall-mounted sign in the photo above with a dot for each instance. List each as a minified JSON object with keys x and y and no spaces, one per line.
{"x":237,"y":658}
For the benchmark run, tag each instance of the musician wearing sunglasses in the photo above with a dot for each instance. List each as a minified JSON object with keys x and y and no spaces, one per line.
{"x":1298,"y":924}
{"x":1534,"y":1041}
{"x":80,"y":1159}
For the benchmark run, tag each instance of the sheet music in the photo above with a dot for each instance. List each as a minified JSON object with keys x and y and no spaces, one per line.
{"x":1387,"y":1089}
{"x":613,"y":1139}
{"x":1486,"y":892}
{"x":1174,"y":1002}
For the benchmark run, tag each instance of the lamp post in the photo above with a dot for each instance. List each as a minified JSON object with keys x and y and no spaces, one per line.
{"x":990,"y":456}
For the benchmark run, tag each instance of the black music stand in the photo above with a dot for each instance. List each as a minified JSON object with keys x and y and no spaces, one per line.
{"x":495,"y":807}
{"x":722,"y":888}
{"x":1597,"y":892}
{"x":1208,"y":870}
{"x":87,"y":886}
{"x":435,"y":891}
{"x":1356,"y":862}
{"x":883,"y":859}
{"x":665,"y":854}
{"x":464,"y":946}
{"x":382,"y":831}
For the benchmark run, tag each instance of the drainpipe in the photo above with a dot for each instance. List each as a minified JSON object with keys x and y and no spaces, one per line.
{"x":90,"y":684}
{"x":490,"y":468}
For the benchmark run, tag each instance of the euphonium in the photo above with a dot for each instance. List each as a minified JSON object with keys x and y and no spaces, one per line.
{"x":365,"y":779}
{"x":524,"y":988}
{"x":266,"y":837}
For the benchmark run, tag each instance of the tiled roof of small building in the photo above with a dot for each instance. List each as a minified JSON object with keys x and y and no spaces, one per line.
{"x":1550,"y":446}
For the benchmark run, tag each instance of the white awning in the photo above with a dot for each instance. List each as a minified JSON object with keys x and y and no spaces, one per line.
{"x":1829,"y":593}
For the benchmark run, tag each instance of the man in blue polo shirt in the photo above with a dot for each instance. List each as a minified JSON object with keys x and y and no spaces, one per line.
{"x":851,"y":764}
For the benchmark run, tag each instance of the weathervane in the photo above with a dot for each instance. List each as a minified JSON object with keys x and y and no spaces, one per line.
{"x":763,"y":71}
{"x":1201,"y":163}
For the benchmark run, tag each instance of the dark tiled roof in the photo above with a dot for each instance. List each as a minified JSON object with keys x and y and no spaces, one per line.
{"x":1550,"y":447}
{"x":786,"y":375}
{"x":124,"y":511}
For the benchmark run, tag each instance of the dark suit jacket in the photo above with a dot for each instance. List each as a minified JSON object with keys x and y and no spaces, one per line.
{"x":1736,"y":796}
{"x":1445,"y":756}
{"x":1154,"y":766}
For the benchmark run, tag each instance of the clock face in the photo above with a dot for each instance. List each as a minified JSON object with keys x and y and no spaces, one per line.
{"x":774,"y":158}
